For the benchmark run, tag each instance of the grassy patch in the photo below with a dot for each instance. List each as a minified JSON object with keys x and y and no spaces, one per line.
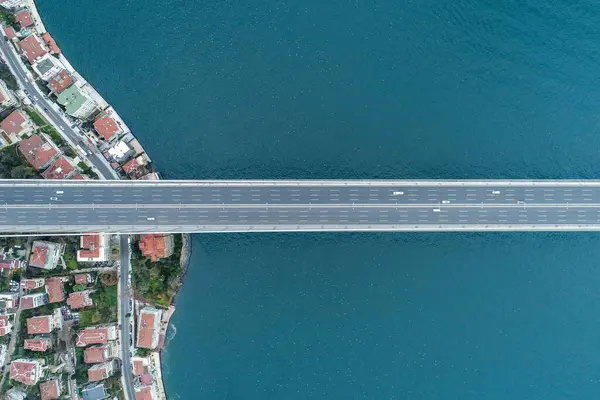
{"x":36,"y":118}
{"x":105,"y":307}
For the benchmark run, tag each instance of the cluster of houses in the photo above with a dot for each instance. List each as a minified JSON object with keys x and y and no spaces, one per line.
{"x":79,"y":101}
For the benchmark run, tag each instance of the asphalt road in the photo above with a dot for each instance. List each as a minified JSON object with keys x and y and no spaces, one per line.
{"x":181,"y":206}
{"x":125,"y":322}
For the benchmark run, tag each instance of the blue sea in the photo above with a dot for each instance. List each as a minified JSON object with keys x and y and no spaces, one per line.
{"x":365,"y":89}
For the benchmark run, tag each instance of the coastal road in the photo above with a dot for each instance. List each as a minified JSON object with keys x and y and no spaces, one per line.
{"x":45,"y":106}
{"x":250,"y":206}
{"x":125,"y":333}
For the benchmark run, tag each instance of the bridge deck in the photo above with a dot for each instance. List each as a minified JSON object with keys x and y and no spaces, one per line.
{"x":217,"y":206}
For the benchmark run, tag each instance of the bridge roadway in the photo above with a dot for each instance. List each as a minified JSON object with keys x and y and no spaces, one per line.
{"x":252,"y":206}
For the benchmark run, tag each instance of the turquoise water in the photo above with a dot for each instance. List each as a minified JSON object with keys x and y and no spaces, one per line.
{"x":351,"y":89}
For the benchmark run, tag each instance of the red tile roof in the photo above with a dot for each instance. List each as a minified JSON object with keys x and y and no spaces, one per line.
{"x":153,"y":246}
{"x":138,"y":367}
{"x":13,"y":123}
{"x":4,"y":329}
{"x":9,"y":264}
{"x":37,"y":152}
{"x":90,"y":246}
{"x":40,"y":324}
{"x":24,"y":372}
{"x":33,"y":48}
{"x":81,"y":279}
{"x":10,"y":32}
{"x":79,"y":299}
{"x":26,"y":303}
{"x":92,"y":336}
{"x":131,"y":165}
{"x":60,"y":82}
{"x":50,"y":390}
{"x":55,"y":289}
{"x":106,"y":126}
{"x":59,"y":169}
{"x":39,"y":255}
{"x":50,"y":42}
{"x":143,"y":393}
{"x":29,"y":284}
{"x":36,"y":344}
{"x":146,"y":330}
{"x":97,"y":374}
{"x":24,"y":18}
{"x":95,"y":354}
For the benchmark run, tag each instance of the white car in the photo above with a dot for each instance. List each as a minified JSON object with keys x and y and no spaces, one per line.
{"x":495,"y":192}
{"x":150,"y":218}
{"x":436,"y":210}
{"x":59,"y":192}
{"x":54,"y":198}
{"x":397,"y":193}
{"x":445,"y":201}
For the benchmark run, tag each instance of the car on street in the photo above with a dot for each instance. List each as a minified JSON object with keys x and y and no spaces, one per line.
{"x":445,"y":201}
{"x":53,"y":198}
{"x":150,"y":218}
{"x":437,"y":210}
{"x":495,"y":192}
{"x":59,"y":192}
{"x":397,"y":193}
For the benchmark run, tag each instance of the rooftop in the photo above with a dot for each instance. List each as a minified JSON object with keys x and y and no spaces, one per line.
{"x":106,"y":126}
{"x":55,"y":290}
{"x":59,"y":169}
{"x":37,"y":151}
{"x":96,"y":354}
{"x":24,"y":371}
{"x":41,"y":324}
{"x":32,"y":283}
{"x":72,"y":99}
{"x":81,"y":279}
{"x":148,"y":326}
{"x":60,"y":82}
{"x":5,"y":325}
{"x":50,"y":390}
{"x":79,"y":299}
{"x":29,"y":301}
{"x":94,"y":392}
{"x":36,"y":344}
{"x":32,"y":47}
{"x":24,"y":18}
{"x":45,"y":64}
{"x":94,"y":335}
{"x":13,"y":124}
{"x":143,"y":393}
{"x":51,"y":43}
{"x":10,"y":32}
{"x":156,"y":246}
{"x":99,"y":372}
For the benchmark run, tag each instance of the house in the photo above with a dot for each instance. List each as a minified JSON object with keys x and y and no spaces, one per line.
{"x":15,"y":125}
{"x":94,"y":248}
{"x":47,"y":67}
{"x":33,"y":301}
{"x":60,"y":82}
{"x":83,"y":279}
{"x":149,"y":327}
{"x":26,"y":371}
{"x":38,"y":343}
{"x":9,"y":264}
{"x":101,"y":371}
{"x":157,"y":246}
{"x":147,"y":392}
{"x":50,"y":43}
{"x":7,"y":98}
{"x":96,"y":335}
{"x":31,"y":284}
{"x":139,"y":365}
{"x":37,"y":151}
{"x":33,"y":48}
{"x":5,"y":325}
{"x":15,"y":393}
{"x":23,"y":18}
{"x":10,"y":299}
{"x":106,"y":126}
{"x":9,"y":31}
{"x":120,"y":151}
{"x":55,"y":290}
{"x":59,"y":169}
{"x":50,"y":389}
{"x":76,"y":103}
{"x":101,"y":353}
{"x":153,"y":176}
{"x":12,"y":3}
{"x":80,"y":299}
{"x":136,"y":163}
{"x":45,"y":255}
{"x":41,"y":324}
{"x":94,"y":392}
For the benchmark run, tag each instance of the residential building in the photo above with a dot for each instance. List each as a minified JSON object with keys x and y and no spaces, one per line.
{"x":2,"y":354}
{"x":9,"y":264}
{"x":120,"y":151}
{"x":38,"y":343}
{"x":135,"y":164}
{"x":94,"y":248}
{"x":41,"y":324}
{"x":107,"y":126}
{"x":148,"y":327}
{"x":101,"y":353}
{"x":23,"y":18}
{"x":101,"y":371}
{"x":37,"y":151}
{"x":60,"y":82}
{"x":146,"y":392}
{"x":47,"y":67}
{"x":50,"y":389}
{"x":5,"y":325}
{"x":45,"y":255}
{"x":76,"y":103}
{"x":80,"y":299}
{"x":94,"y":391}
{"x":153,"y":176}
{"x":139,"y":365}
{"x":15,"y":394}
{"x":15,"y":125}
{"x":157,"y":246}
{"x":31,"y":284}
{"x":59,"y":169}
{"x":10,"y":299}
{"x":33,"y":301}
{"x":7,"y":98}
{"x":26,"y":371}
{"x":9,"y":31}
{"x":50,"y":43}
{"x":96,"y":335}
{"x":33,"y":48}
{"x":12,"y":3}
{"x":83,"y":279}
{"x":55,"y":289}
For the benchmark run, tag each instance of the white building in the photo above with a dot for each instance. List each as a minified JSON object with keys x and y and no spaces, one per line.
{"x":120,"y":151}
{"x":76,"y":102}
{"x":12,"y":3}
{"x":2,"y":354}
{"x":10,"y":298}
{"x":7,"y":98}
{"x":47,"y":67}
